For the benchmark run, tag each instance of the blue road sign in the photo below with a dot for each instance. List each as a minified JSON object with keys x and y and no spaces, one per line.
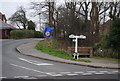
{"x":48,"y":32}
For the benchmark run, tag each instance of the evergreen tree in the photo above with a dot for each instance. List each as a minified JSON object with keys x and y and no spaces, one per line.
{"x":31,"y":25}
{"x":114,"y":36}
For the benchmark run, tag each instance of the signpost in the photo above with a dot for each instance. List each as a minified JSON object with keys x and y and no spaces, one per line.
{"x":76,"y":54}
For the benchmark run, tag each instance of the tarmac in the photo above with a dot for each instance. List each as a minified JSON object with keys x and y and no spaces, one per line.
{"x":29,"y":50}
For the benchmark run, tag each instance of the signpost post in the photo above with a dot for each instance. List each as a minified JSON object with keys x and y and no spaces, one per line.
{"x":76,"y":54}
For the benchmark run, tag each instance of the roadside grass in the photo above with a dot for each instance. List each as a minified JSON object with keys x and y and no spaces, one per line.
{"x":58,"y":53}
{"x":105,"y":58}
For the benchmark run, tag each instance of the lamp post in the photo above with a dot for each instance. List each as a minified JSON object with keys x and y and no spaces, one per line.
{"x":40,"y":20}
{"x":76,"y":54}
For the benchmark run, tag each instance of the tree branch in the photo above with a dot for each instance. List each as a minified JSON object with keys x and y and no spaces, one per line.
{"x":105,"y":10}
{"x":80,"y":13}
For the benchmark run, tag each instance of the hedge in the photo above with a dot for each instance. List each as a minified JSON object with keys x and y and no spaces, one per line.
{"x":38,"y":34}
{"x":19,"y":34}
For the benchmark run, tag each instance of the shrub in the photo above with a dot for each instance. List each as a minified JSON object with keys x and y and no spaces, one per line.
{"x":29,"y":34}
{"x":38,"y":34}
{"x":15,"y":34}
{"x":114,"y":36}
{"x":18,"y":34}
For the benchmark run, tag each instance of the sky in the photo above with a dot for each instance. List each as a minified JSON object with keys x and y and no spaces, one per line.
{"x":9,"y":7}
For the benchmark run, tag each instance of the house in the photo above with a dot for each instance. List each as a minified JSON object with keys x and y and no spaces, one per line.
{"x":5,"y":28}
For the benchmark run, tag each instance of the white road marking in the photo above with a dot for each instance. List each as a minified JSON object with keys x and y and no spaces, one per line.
{"x":31,"y":78}
{"x":57,"y":75}
{"x":115,"y":71}
{"x":51,"y":73}
{"x":21,"y":76}
{"x":26,"y":68}
{"x":103,"y":71}
{"x":87,"y":74}
{"x":54,"y":74}
{"x":34,"y":62}
{"x":25,"y":77}
{"x":99,"y":73}
{"x":40,"y":75}
{"x":79,"y":72}
{"x":2,"y":77}
{"x":91,"y":71}
{"x":72,"y":74}
{"x":44,"y":64}
{"x":64,"y":72}
{"x":110,"y":72}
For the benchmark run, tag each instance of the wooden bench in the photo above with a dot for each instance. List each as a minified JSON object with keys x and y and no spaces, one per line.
{"x":83,"y":51}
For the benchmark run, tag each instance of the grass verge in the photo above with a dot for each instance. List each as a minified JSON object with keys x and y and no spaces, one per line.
{"x":105,"y":58}
{"x":58,"y":53}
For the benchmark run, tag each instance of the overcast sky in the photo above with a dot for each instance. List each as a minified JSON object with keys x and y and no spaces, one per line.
{"x":9,"y":7}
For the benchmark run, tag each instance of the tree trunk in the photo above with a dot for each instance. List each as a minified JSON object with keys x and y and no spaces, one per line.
{"x":95,"y":22}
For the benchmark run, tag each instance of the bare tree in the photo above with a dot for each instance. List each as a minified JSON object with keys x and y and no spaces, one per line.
{"x":49,"y":11}
{"x":115,"y":8}
{"x":45,"y":8}
{"x":84,"y":8}
{"x":19,"y":18}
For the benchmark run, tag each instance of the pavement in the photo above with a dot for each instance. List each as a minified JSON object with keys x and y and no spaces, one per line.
{"x":29,"y":50}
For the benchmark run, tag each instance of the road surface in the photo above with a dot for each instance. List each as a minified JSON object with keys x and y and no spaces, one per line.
{"x":16,"y":65}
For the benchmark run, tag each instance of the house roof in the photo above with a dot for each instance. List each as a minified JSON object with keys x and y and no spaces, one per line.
{"x":3,"y":22}
{"x":4,"y":25}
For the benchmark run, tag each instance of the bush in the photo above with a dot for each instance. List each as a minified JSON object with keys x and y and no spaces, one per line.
{"x":29,"y":34}
{"x":19,"y":34}
{"x":114,"y":36}
{"x":38,"y":34}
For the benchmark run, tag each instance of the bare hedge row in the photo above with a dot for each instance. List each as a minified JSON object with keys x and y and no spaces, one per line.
{"x":19,"y":34}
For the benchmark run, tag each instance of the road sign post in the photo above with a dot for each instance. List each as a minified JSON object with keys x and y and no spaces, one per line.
{"x":76,"y":54}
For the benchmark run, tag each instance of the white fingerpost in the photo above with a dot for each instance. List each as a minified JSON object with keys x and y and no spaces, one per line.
{"x":76,"y":43}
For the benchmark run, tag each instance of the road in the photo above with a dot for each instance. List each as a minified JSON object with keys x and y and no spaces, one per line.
{"x":16,"y":65}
